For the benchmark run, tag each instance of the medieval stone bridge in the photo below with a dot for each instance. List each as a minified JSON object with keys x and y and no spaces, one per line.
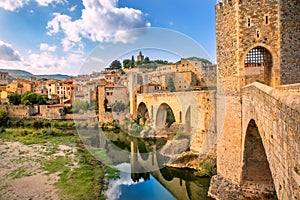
{"x":194,"y":111}
{"x":266,"y":157}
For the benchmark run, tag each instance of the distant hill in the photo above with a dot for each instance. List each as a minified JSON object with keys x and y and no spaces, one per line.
{"x":15,"y":74}
{"x":200,"y":59}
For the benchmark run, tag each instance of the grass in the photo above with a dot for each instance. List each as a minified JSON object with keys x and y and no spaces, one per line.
{"x":83,"y":181}
{"x":60,"y":163}
{"x":113,"y":173}
{"x":19,"y":173}
{"x":208,"y":168}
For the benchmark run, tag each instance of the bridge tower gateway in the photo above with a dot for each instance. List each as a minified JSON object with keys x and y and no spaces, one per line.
{"x":257,"y":40}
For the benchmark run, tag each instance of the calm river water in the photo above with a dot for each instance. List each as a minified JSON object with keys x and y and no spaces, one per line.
{"x":142,"y":171}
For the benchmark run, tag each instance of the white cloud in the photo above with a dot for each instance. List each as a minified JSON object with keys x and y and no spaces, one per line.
{"x":100,"y":21}
{"x":8,"y":53}
{"x":47,"y":2}
{"x":73,"y":8}
{"x":114,"y":188}
{"x":12,"y":5}
{"x":45,"y":62}
{"x":47,"y":47}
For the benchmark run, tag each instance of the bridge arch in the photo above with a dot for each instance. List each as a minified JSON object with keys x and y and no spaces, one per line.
{"x":164,"y":116}
{"x":256,"y":172}
{"x":143,"y":113}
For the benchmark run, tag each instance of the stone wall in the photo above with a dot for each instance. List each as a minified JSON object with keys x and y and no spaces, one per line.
{"x":51,"y":112}
{"x":255,"y":31}
{"x":229,"y":117}
{"x":18,"y":111}
{"x":290,"y":41}
{"x":197,"y":109}
{"x":277,"y":115}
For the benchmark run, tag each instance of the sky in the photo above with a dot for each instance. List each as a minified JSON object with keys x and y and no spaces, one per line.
{"x":62,"y":36}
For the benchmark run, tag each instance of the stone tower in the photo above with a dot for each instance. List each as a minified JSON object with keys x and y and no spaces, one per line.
{"x":257,"y":40}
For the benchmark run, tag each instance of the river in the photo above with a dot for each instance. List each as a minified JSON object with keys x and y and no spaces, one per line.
{"x":142,"y":171}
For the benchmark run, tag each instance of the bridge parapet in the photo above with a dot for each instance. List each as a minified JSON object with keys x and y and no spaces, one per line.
{"x":195,"y":109}
{"x":277,"y":115}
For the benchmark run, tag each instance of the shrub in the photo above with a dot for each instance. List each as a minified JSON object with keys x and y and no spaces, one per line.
{"x":3,"y":117}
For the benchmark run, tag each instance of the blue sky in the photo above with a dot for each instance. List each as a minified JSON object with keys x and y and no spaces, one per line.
{"x":58,"y":36}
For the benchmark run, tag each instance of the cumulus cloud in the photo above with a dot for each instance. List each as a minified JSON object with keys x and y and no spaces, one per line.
{"x":45,"y":62}
{"x":47,"y":2}
{"x":100,"y":21}
{"x":12,"y":5}
{"x":8,"y":53}
{"x":47,"y":47}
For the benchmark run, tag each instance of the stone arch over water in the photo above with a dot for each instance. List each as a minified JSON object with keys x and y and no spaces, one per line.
{"x":165,"y":116}
{"x":143,"y":113}
{"x":256,"y":173}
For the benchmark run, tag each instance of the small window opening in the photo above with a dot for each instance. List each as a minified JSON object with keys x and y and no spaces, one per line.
{"x":249,"y":22}
{"x":267,"y":19}
{"x":257,"y":33}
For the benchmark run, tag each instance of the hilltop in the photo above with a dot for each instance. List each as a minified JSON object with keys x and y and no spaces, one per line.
{"x":15,"y":74}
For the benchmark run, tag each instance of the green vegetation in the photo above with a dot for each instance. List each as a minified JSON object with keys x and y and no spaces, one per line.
{"x":112,"y":172}
{"x":79,"y":106}
{"x":115,"y":65}
{"x":208,"y":168}
{"x":127,"y":63}
{"x":14,"y":99}
{"x":3,"y":118}
{"x":180,"y":135}
{"x":78,"y":182}
{"x":19,"y":173}
{"x":199,"y":59}
{"x":29,"y":98}
{"x":171,"y":85}
{"x":81,"y":176}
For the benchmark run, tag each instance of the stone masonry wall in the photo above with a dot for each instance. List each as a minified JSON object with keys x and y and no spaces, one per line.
{"x":290,"y":41}
{"x":256,"y":12}
{"x":202,"y":114}
{"x":228,"y":97}
{"x":277,"y":115}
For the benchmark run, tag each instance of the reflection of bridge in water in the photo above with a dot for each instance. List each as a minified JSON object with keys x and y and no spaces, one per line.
{"x":145,"y":161}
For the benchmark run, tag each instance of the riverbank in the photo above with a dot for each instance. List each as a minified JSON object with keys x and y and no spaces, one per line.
{"x":48,"y":163}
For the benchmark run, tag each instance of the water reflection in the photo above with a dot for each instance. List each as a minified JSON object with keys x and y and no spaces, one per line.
{"x":135,"y":187}
{"x":142,"y":175}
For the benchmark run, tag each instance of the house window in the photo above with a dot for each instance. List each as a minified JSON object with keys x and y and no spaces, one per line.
{"x":249,"y":22}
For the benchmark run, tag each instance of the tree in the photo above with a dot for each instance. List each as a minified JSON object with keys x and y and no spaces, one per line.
{"x":14,"y":98}
{"x":171,"y":85}
{"x":132,"y":62}
{"x":126,"y":63}
{"x":147,"y":60}
{"x":31,"y":98}
{"x":3,"y":117}
{"x":79,"y":105}
{"x":115,"y":65}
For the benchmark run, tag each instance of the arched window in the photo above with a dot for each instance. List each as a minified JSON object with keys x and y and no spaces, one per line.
{"x":258,"y":65}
